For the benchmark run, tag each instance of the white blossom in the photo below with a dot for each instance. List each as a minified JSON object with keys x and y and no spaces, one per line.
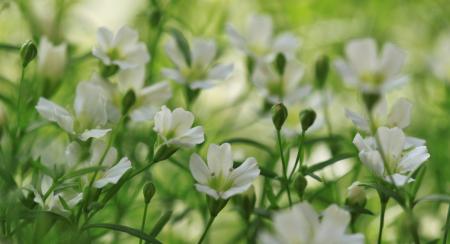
{"x":202,"y":72}
{"x":113,"y":175}
{"x":368,"y":71}
{"x":175,"y":127}
{"x":301,"y":224}
{"x":278,"y":88}
{"x":122,"y":49}
{"x":52,"y":59}
{"x":218,"y":178}
{"x":258,"y":41}
{"x":390,"y":144}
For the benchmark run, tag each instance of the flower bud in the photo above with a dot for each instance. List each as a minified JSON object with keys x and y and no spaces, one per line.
{"x":250,"y":63}
{"x":356,"y":196}
{"x":52,"y":59}
{"x":164,"y":152}
{"x":148,"y":191}
{"x":28,"y":52}
{"x":280,"y":63}
{"x":300,"y":184}
{"x":109,"y":70}
{"x":371,"y":99}
{"x":248,"y":200}
{"x":279,"y":115}
{"x":155,"y":17}
{"x":307,"y":118}
{"x":321,"y":70}
{"x":128,"y":101}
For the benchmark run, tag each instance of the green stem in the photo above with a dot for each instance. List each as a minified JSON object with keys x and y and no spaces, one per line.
{"x":383,"y":201}
{"x":143,"y":221}
{"x":211,"y":220}
{"x":299,"y":158}
{"x":19,"y":102}
{"x":283,"y":161}
{"x":447,"y":226}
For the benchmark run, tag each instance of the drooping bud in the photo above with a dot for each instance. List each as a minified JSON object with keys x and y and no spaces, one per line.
{"x":248,"y":200}
{"x":300,"y":184}
{"x":164,"y":152}
{"x":370,"y":99}
{"x":307,"y":118}
{"x":128,"y":101}
{"x":280,"y":63}
{"x":356,"y":196}
{"x":148,"y":192}
{"x":28,"y":52}
{"x":321,"y":70}
{"x":279,"y":115}
{"x":109,"y":70}
{"x":250,"y":65}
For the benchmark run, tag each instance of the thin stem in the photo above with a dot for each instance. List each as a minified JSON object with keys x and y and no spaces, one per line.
{"x":383,"y":202}
{"x":143,"y":221}
{"x":299,"y":158}
{"x":19,"y":102}
{"x":283,"y":161}
{"x":211,"y":220}
{"x":447,"y":226}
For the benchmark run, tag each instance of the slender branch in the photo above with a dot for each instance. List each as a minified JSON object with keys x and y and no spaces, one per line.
{"x":202,"y":238}
{"x":283,"y":161}
{"x":143,"y":221}
{"x":299,"y":158}
{"x":383,"y":202}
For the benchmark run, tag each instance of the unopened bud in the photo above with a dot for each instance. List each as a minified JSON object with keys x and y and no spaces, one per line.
{"x":155,"y":17}
{"x":280,"y":63}
{"x":250,"y":65}
{"x":248,"y":201}
{"x":28,"y":52}
{"x":128,"y":101}
{"x":109,"y":70}
{"x":300,"y":185}
{"x":321,"y":70}
{"x":371,"y":99}
{"x":279,"y":115}
{"x":148,"y":191}
{"x":307,"y":118}
{"x":356,"y":196}
{"x":164,"y":152}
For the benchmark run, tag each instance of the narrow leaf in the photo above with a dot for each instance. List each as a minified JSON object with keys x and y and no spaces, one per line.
{"x":249,"y":142}
{"x":161,"y":223}
{"x":124,"y":229}
{"x":328,"y":162}
{"x":182,"y":44}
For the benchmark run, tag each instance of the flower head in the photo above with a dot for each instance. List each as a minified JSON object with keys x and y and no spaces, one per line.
{"x":121,"y":49}
{"x":201,"y":72}
{"x":218,"y":178}
{"x":368,"y":71}
{"x":393,"y":152}
{"x":174,"y":127}
{"x":52,"y":59}
{"x":258,"y":41}
{"x":277,"y":88}
{"x":301,"y":224}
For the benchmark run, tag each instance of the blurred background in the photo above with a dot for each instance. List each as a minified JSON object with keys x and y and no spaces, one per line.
{"x":421,"y":28}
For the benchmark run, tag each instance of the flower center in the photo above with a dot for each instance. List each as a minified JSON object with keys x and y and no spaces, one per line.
{"x":194,"y":74}
{"x":115,"y":54}
{"x":220,"y":183}
{"x":372,"y":78}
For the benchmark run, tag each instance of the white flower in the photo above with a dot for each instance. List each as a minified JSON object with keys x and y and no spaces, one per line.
{"x":52,"y":59}
{"x":301,"y":224}
{"x":368,"y":71}
{"x":401,"y":159}
{"x":440,"y":62}
{"x":113,"y":175}
{"x":92,"y":108}
{"x":202,"y":72}
{"x":54,"y":200}
{"x":258,"y":41}
{"x":218,"y":178}
{"x":175,"y":127}
{"x":122,"y":49}
{"x":148,"y":101}
{"x":278,"y":88}
{"x":399,"y":116}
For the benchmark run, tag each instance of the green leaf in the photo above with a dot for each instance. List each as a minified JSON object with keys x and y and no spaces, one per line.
{"x":182,"y":44}
{"x":328,"y":162}
{"x":124,"y":229}
{"x":161,"y":223}
{"x":83,"y":171}
{"x":249,"y":142}
{"x":434,"y":198}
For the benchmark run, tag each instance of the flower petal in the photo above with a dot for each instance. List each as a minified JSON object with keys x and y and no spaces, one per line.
{"x":208,"y":190}
{"x":360,"y":122}
{"x":392,"y":141}
{"x":362,"y":55}
{"x":413,"y":159}
{"x":400,"y":114}
{"x":113,"y":175}
{"x":94,"y":133}
{"x":221,"y":72}
{"x":199,"y":170}
{"x":334,"y":222}
{"x":55,"y":113}
{"x":398,"y":179}
{"x":220,"y":159}
{"x":203,"y":52}
{"x":392,"y":60}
